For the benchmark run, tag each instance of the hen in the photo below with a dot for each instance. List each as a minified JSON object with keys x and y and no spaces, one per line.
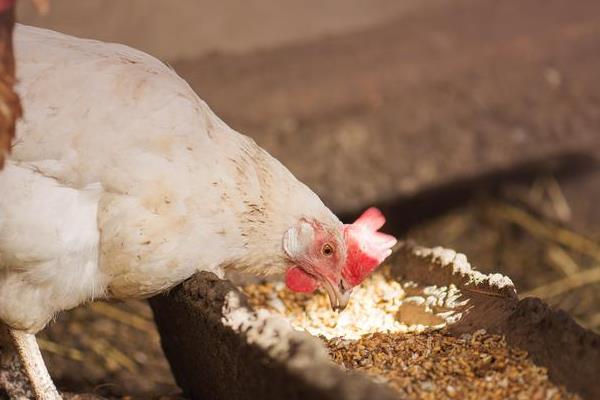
{"x":123,"y":183}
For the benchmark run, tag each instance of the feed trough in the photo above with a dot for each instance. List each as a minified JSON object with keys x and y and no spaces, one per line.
{"x":223,"y":344}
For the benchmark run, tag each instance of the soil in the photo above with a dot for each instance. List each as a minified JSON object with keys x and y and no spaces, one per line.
{"x":108,"y":349}
{"x":446,"y":95}
{"x":195,"y":27}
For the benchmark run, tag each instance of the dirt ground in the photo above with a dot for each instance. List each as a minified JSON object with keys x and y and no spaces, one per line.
{"x":226,"y":26}
{"x":446,"y":95}
{"x":436,"y":96}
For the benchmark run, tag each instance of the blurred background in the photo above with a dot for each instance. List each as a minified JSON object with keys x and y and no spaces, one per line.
{"x":474,"y":124}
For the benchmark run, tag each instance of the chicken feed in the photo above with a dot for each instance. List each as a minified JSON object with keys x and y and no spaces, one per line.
{"x":391,"y":331}
{"x":380,"y":304}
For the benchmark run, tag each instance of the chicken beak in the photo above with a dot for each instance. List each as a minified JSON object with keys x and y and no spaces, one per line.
{"x":339,"y":293}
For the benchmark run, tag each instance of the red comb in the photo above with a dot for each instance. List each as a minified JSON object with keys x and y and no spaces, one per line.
{"x":366,"y":248}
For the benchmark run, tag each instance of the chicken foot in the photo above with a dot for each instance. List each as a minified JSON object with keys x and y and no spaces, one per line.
{"x":32,"y":363}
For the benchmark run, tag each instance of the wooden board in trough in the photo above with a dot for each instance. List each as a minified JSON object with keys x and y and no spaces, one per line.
{"x":457,"y":333}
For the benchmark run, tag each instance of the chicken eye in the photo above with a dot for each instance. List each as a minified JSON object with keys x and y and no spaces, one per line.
{"x":327,"y":250}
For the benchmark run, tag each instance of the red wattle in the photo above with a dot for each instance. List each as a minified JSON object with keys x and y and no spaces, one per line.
{"x":299,"y":281}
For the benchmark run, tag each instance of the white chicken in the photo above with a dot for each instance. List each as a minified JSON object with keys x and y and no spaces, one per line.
{"x":123,"y":183}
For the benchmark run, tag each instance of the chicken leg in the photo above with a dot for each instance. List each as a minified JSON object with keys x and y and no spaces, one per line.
{"x":34,"y":366}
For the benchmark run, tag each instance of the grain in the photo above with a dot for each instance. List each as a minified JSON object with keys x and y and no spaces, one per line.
{"x":391,"y":332}
{"x":378,"y":305}
{"x":439,"y":366}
